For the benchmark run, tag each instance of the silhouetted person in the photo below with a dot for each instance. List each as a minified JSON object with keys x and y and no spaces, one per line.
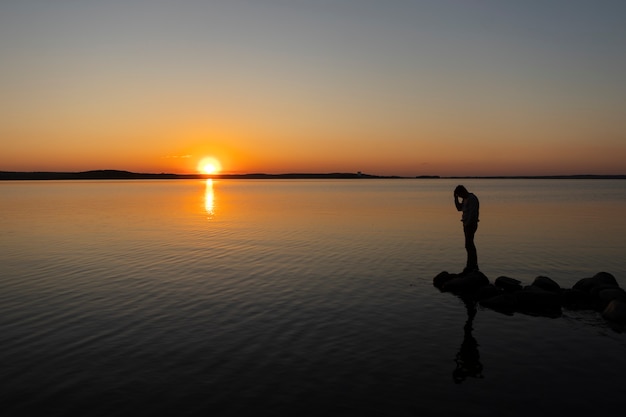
{"x":469,"y":206}
{"x":468,"y":359}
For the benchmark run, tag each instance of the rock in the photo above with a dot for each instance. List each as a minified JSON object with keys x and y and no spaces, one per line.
{"x":595,"y":291}
{"x":577,"y":299}
{"x":601,"y":279}
{"x":508,"y":284}
{"x":537,"y":301}
{"x":601,"y":288}
{"x":546,"y":283}
{"x":610,"y":294}
{"x":465,"y":283}
{"x":606,"y":279}
{"x":442,"y":278}
{"x":585,"y":284}
{"x":606,"y":295}
{"x":486,"y":292}
{"x":505,"y":303}
{"x":544,"y":297}
{"x":615,"y":311}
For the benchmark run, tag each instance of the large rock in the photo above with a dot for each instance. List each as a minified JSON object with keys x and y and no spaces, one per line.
{"x":531,"y":300}
{"x":505,"y":302}
{"x":486,"y":292}
{"x":606,"y":279}
{"x":601,"y":279}
{"x":460,"y":284}
{"x":601,"y":289}
{"x":606,"y":295}
{"x":544,"y":297}
{"x":585,"y":285}
{"x":508,"y":284}
{"x":546,"y":283}
{"x":574,"y":299}
{"x":442,"y":278}
{"x":537,"y":301}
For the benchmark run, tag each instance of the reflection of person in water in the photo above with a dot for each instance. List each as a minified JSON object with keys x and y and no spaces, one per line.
{"x":468,"y":359}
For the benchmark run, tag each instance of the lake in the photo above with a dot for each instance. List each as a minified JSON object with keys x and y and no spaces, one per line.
{"x":300,"y":297}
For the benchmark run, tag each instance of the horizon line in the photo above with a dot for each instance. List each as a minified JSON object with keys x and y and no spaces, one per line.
{"x":124,"y":174}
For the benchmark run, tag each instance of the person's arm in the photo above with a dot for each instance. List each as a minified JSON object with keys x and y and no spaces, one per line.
{"x":458,"y":204}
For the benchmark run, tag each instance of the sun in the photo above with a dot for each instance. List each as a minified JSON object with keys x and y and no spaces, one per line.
{"x":209,"y":169}
{"x":209,"y":165}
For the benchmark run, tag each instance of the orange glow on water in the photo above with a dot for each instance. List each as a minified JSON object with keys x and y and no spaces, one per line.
{"x":209,"y":199}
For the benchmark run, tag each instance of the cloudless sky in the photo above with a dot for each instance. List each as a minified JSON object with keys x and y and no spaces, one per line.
{"x":467,"y":87}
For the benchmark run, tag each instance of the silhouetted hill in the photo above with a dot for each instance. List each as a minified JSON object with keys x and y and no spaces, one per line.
{"x":109,"y":174}
{"x":106,"y":174}
{"x":552,"y":177}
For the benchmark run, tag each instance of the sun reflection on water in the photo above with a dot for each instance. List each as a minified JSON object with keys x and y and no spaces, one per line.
{"x":209,"y":199}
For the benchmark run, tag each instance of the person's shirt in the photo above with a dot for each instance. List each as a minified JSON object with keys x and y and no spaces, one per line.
{"x":470,"y":207}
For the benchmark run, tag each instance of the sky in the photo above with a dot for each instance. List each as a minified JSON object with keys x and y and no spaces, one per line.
{"x":397,"y":87}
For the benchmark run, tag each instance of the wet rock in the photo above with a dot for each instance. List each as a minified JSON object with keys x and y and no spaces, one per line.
{"x":465,"y":283}
{"x":605,"y":296}
{"x":577,"y":300}
{"x":546,"y":283}
{"x":442,"y":278}
{"x":531,"y":300}
{"x":508,"y":284}
{"x":486,"y":292}
{"x":595,"y":291}
{"x":615,"y":311}
{"x":585,"y":285}
{"x":505,"y":303}
{"x":601,"y":279}
{"x":606,"y":279}
{"x":537,"y":301}
{"x":601,"y":289}
{"x":544,"y":297}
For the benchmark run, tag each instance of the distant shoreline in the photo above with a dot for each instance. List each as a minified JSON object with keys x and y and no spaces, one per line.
{"x":127,"y":175}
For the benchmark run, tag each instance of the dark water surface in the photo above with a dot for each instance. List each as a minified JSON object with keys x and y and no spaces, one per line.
{"x":299,"y":298}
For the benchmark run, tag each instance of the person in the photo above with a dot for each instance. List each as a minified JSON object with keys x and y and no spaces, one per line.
{"x":469,"y":205}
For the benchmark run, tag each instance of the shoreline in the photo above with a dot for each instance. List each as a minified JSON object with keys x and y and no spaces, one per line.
{"x":127,"y":175}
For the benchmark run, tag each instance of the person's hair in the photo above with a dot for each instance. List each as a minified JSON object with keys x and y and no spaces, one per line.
{"x":460,"y":190}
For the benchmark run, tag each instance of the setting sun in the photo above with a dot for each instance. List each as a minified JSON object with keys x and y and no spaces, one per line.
{"x":209,"y":166}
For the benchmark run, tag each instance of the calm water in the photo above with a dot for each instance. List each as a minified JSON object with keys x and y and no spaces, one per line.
{"x":299,"y":298}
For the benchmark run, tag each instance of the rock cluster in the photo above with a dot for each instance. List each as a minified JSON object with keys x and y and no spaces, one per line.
{"x":543,"y":297}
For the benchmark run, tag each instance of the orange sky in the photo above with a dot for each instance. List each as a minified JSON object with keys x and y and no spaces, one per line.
{"x":429,"y":88}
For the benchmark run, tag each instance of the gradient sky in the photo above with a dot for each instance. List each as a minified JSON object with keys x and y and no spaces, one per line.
{"x":467,"y":87}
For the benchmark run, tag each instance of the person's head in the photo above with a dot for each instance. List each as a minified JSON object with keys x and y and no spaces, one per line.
{"x":461,"y":191}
